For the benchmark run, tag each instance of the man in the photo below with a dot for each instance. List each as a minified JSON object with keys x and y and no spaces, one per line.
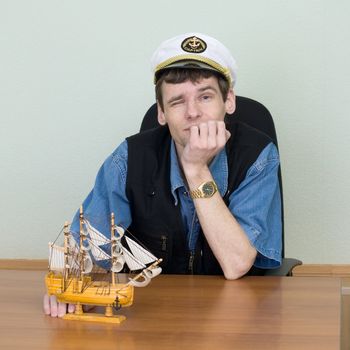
{"x":202,"y":195}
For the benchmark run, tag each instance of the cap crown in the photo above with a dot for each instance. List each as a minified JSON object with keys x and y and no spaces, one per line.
{"x":196,"y":47}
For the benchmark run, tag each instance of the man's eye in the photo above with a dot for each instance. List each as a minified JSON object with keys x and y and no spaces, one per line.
{"x":175,"y":103}
{"x":206,"y":97}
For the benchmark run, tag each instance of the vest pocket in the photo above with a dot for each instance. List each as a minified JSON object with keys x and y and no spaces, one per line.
{"x":159,"y":244}
{"x":164,"y":239}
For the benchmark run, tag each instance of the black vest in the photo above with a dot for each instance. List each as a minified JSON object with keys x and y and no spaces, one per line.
{"x":156,"y":221}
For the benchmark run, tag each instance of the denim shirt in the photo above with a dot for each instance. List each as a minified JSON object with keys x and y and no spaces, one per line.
{"x":255,"y":204}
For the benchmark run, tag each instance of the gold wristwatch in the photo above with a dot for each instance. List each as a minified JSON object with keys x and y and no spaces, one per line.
{"x":205,"y":190}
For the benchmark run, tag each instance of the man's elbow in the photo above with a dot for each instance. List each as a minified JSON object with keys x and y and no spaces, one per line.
{"x":239,"y":269}
{"x":235,"y":274}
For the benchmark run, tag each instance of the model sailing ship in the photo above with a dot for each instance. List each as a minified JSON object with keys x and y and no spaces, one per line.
{"x":71,"y":271}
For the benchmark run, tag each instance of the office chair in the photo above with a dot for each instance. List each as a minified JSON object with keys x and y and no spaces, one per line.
{"x":257,"y":116}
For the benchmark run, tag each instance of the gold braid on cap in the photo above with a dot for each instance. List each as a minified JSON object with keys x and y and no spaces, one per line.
{"x":224,"y":71}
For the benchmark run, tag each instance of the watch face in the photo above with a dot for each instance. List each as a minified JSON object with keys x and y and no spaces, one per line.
{"x":208,"y":189}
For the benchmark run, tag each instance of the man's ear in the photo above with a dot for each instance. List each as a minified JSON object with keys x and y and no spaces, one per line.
{"x":230,"y":102}
{"x":160,"y":115}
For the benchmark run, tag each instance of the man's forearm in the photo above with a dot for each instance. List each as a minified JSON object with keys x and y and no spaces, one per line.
{"x":225,"y":236}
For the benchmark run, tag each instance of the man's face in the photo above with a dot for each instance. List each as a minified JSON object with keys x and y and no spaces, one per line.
{"x":187,"y":104}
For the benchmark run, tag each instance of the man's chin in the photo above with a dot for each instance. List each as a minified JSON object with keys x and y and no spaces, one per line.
{"x":181,"y":144}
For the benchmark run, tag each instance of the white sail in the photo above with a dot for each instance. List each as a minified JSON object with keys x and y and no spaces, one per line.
{"x":96,"y":236}
{"x":56,"y":257}
{"x":73,"y":263}
{"x":71,"y":242}
{"x":98,"y":253}
{"x":137,"y":283}
{"x":117,"y":249}
{"x":139,"y":252}
{"x":57,"y":261}
{"x":118,"y":265}
{"x":73,"y":255}
{"x":120,"y":231}
{"x":88,"y":265}
{"x":154,"y":272}
{"x":131,"y":261}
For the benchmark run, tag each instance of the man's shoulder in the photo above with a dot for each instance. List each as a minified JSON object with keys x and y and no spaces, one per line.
{"x":244,"y":148}
{"x":149,"y":137}
{"x":244,"y":135}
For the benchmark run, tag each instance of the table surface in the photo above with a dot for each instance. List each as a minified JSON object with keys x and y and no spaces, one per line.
{"x":184,"y":312}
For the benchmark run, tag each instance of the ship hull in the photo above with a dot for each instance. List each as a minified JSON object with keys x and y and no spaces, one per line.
{"x":88,"y":292}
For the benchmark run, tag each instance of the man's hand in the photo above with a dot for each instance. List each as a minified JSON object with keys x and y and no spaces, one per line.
{"x":225,"y":236}
{"x":55,"y":308}
{"x":206,"y":140}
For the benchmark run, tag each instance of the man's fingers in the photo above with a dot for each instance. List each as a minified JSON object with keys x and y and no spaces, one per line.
{"x":223,"y":134}
{"x":61,"y":309}
{"x":46,"y":305}
{"x":205,"y":141}
{"x":213,"y":134}
{"x":71,"y":308}
{"x":203,"y":131}
{"x":53,"y":306}
{"x":199,"y":136}
{"x":194,"y":135}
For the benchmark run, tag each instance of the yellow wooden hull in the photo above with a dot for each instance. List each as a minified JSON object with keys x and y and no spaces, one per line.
{"x":93,"y":292}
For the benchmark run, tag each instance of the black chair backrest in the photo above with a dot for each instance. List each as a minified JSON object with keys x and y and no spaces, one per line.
{"x":247,"y":111}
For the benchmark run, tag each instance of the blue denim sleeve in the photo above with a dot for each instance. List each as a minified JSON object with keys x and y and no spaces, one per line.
{"x":108,"y":195}
{"x":256,"y":205}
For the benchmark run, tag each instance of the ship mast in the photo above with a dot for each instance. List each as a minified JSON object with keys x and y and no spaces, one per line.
{"x":113,"y":245}
{"x":81,"y":238}
{"x":66,"y":254}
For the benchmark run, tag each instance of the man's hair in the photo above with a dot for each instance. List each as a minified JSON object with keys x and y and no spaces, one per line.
{"x":180,"y":75}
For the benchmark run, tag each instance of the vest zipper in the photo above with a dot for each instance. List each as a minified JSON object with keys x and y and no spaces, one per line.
{"x":164,"y":239}
{"x":190,"y":262}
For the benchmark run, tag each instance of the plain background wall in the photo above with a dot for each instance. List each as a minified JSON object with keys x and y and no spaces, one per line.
{"x":75,"y":80}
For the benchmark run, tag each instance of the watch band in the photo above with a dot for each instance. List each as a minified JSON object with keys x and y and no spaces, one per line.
{"x":205,"y":190}
{"x":197,"y":193}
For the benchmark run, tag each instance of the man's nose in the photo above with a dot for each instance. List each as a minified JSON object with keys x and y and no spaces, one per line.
{"x":192,"y":110}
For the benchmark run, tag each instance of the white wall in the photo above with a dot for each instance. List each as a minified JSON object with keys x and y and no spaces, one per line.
{"x":75,"y":81}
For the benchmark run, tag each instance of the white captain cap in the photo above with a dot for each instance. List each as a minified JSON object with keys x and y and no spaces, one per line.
{"x":194,"y":50}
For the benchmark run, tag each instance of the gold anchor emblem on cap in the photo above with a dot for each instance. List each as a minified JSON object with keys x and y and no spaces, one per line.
{"x":194,"y":44}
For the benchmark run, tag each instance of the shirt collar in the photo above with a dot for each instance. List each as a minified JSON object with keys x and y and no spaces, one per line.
{"x":218,"y":168}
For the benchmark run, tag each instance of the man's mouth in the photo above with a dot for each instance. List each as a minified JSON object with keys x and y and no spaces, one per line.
{"x":189,"y":127}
